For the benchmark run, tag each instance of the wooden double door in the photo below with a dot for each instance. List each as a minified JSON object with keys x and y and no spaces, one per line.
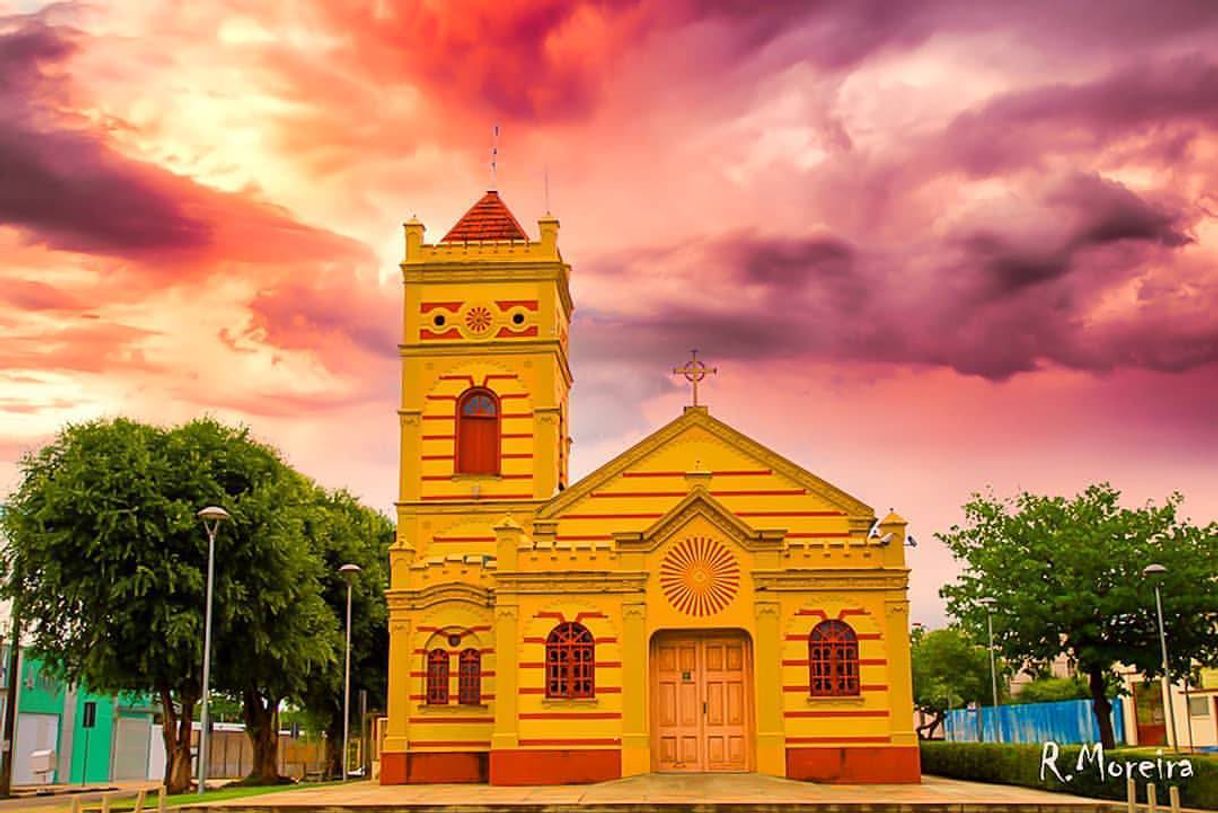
{"x":702,"y":702}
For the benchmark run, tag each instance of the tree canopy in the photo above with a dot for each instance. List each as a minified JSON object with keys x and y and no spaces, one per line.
{"x":1065,"y":576}
{"x":949,"y":671}
{"x":107,"y":563}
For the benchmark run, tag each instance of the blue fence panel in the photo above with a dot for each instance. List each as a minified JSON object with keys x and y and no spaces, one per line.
{"x":1066,"y":721}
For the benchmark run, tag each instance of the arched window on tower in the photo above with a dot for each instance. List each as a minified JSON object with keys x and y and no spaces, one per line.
{"x":437,"y":677}
{"x":469,"y":678}
{"x":477,"y":432}
{"x":570,"y":661}
{"x":833,"y":660}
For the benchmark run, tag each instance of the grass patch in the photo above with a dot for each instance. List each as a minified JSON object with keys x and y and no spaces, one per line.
{"x":218,"y":795}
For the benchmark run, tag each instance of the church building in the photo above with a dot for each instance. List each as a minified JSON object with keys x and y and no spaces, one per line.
{"x":699,"y":603}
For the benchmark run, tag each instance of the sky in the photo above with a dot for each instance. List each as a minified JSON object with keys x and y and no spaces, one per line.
{"x":932,"y":247}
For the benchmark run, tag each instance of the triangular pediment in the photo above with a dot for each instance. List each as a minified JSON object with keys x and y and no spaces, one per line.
{"x":699,"y":418}
{"x":699,"y":503}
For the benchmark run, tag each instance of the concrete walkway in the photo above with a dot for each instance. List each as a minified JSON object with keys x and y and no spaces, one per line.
{"x":685,"y":792}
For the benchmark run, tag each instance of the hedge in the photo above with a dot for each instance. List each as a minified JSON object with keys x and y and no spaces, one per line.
{"x":1005,"y":764}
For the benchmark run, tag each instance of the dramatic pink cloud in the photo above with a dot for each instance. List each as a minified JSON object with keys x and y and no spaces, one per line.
{"x":930,"y":245}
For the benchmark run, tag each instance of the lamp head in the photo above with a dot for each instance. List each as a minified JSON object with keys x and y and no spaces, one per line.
{"x":1153,"y":570}
{"x":988,"y":603}
{"x":349,"y":570}
{"x":212,"y":516}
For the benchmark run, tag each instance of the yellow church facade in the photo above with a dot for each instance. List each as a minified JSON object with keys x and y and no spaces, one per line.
{"x":699,"y":603}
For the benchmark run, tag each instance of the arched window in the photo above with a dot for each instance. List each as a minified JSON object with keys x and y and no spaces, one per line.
{"x":570,"y":661}
{"x":469,"y":678}
{"x":833,"y":660}
{"x":437,"y":677}
{"x":477,"y":432}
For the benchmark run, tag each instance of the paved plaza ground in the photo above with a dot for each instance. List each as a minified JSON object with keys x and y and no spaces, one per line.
{"x":683,"y":790}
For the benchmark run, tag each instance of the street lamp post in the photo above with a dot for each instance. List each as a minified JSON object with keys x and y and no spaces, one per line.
{"x":211,"y":516}
{"x":1155,"y":570}
{"x":348,"y":571}
{"x":988,"y":603}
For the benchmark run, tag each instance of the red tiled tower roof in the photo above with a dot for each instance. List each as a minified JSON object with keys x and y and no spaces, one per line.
{"x":488,"y":219}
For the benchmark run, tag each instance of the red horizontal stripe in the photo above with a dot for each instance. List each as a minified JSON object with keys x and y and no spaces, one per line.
{"x":486,"y":650}
{"x":502,"y":376}
{"x":790,"y":513}
{"x":866,"y":687}
{"x":459,"y":720}
{"x":435,"y":477}
{"x":571,"y":715}
{"x":832,"y":740}
{"x":439,"y":437}
{"x":437,"y":417}
{"x":735,"y":493}
{"x":599,"y":690}
{"x":485,"y":497}
{"x":517,"y":415}
{"x":504,"y":304}
{"x":437,"y":456}
{"x":427,"y":307}
{"x":441,"y":397}
{"x":817,"y":613}
{"x":605,"y":741}
{"x":484,"y":628}
{"x":613,"y":516}
{"x":468,"y":378}
{"x":540,"y":640}
{"x":484,"y":696}
{"x":541,"y":664}
{"x":520,"y":456}
{"x":518,"y":435}
{"x":837,"y":713}
{"x":862,"y":636}
{"x":862,"y":662}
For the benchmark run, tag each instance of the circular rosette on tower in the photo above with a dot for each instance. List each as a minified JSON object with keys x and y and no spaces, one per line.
{"x":478,"y":319}
{"x":700,"y":576}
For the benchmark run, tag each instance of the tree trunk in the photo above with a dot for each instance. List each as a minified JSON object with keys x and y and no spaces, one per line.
{"x":927,"y":730}
{"x":176,"y":732}
{"x":334,"y":747}
{"x":262,"y":727}
{"x":1101,"y":706}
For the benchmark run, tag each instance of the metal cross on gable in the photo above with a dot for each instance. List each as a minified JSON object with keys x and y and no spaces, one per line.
{"x":694,"y":371}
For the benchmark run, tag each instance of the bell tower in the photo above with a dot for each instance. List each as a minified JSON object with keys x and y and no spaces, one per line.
{"x":485,"y":375}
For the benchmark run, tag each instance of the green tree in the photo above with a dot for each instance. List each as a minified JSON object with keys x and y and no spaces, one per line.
{"x":949,"y":671}
{"x":345,"y":532}
{"x":1066,"y":577}
{"x":1052,"y":690}
{"x":108,"y":561}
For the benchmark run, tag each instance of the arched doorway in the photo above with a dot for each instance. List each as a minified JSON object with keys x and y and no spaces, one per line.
{"x":702,"y":701}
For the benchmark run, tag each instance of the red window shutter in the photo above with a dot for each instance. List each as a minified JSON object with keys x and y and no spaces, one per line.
{"x":469,"y":678}
{"x":570,"y":662}
{"x":478,"y":432}
{"x":833,"y":660}
{"x":437,"y":677}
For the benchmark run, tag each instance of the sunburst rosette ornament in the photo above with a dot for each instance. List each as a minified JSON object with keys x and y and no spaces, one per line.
{"x":478,"y":319}
{"x":699,"y":576}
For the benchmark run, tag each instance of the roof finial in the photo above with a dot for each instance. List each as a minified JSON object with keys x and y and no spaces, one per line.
{"x":495,"y":157}
{"x":547,"y":181}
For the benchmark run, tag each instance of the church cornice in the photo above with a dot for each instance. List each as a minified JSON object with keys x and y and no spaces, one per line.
{"x":513,"y":347}
{"x":481,"y":271}
{"x":571,"y":581}
{"x":837,"y":579}
{"x":424,"y":597}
